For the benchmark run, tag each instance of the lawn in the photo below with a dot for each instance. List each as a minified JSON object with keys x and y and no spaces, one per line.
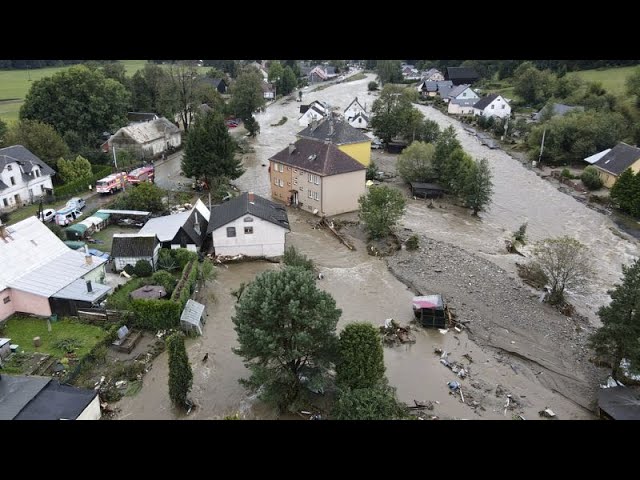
{"x":106,"y":236}
{"x":119,"y":299}
{"x":22,"y":330}
{"x":612,"y":79}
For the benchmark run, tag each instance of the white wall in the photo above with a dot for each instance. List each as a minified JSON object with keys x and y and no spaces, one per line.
{"x":35,"y":184}
{"x":353,"y":110}
{"x":92,"y":412}
{"x":359,"y":123}
{"x":455,"y":109}
{"x":500,"y":109}
{"x":308,"y":117}
{"x":267,"y":238}
{"x":192,"y":247}
{"x":467,"y":93}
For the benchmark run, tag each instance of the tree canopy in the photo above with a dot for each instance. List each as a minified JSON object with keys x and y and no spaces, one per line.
{"x":39,"y":138}
{"x":71,"y":170}
{"x":415,"y":163}
{"x":360,"y":358}
{"x":380,"y":210}
{"x":180,"y":374}
{"x":246,"y":94}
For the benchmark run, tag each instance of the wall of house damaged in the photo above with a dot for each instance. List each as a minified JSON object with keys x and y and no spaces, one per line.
{"x":340,"y":193}
{"x":359,"y":151}
{"x":254,"y":237}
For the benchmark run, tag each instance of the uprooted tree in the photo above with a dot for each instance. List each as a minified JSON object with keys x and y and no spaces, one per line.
{"x":566,"y":262}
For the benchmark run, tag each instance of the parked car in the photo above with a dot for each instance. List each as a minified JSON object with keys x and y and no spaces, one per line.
{"x":47,"y":215}
{"x":77,"y":203}
{"x":376,"y":144}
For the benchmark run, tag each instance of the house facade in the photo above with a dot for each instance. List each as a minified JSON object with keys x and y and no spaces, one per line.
{"x":432,"y":89}
{"x":462,"y":107}
{"x":147,"y":139}
{"x":360,"y":120}
{"x":353,"y":109}
{"x":432,"y":75}
{"x":24,"y":178}
{"x":129,"y":248}
{"x":317,"y":177}
{"x":462,"y":92}
{"x":493,"y":105}
{"x":248,"y":225}
{"x":611,"y":165}
{"x":314,"y":113}
{"x":180,"y":230}
{"x":268,"y":91}
{"x":339,"y":133}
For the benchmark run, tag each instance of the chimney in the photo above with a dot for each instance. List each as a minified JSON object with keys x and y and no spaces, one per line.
{"x":250,"y":196}
{"x":330,"y":125}
{"x":88,"y":259}
{"x":292,"y":148}
{"x":89,"y":287}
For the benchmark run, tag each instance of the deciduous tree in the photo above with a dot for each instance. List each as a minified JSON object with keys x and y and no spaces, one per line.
{"x":478,"y":186}
{"x":416,"y":162}
{"x":76,"y":169}
{"x":380,"y":210}
{"x":39,"y":138}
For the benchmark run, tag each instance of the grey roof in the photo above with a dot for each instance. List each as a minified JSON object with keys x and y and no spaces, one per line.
{"x":133,"y":244}
{"x":461,"y":73}
{"x":457,"y":90}
{"x":144,"y":132}
{"x":166,"y":228}
{"x":240,"y":205}
{"x":621,"y":157}
{"x":559,"y":109}
{"x":597,"y":156}
{"x":621,"y":403}
{"x":485,"y":101}
{"x":16,"y":392}
{"x":192,"y":312}
{"x":141,"y":116}
{"x":318,"y":157}
{"x":336,"y":130}
{"x":77,"y":290}
{"x":57,"y":402}
{"x":431,"y":71}
{"x":464,"y":102}
{"x":124,"y":212}
{"x":330,"y":70}
{"x":18,"y":153}
{"x":360,"y":114}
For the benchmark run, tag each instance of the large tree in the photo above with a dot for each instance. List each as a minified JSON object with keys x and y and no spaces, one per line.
{"x":625,"y":192}
{"x":389,"y":71}
{"x":147,"y":90}
{"x":39,"y":138}
{"x":380,"y":210}
{"x":289,"y":81}
{"x":247,"y":97}
{"x":532,"y":85}
{"x":391,"y":112}
{"x":115,"y":71}
{"x":78,"y":99}
{"x":446,"y":144}
{"x":3,"y":132}
{"x":360,"y":358}
{"x":70,"y":170}
{"x":478,"y":186}
{"x":566,"y":262}
{"x":145,"y":196}
{"x":180,"y":92}
{"x":376,"y":403}
{"x":416,"y":162}
{"x":180,"y":374}
{"x":619,"y":336}
{"x":286,"y":330}
{"x":633,"y":85}
{"x":210,"y":151}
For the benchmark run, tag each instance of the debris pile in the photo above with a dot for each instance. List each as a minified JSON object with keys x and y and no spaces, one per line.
{"x":456,"y":367}
{"x":393,"y":334}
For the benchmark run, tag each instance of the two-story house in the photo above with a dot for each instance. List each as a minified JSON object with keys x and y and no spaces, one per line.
{"x":492,"y":106}
{"x":23,"y":177}
{"x":318,"y":177}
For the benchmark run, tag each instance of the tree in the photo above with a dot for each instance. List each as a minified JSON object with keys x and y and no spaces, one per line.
{"x":624,"y":191}
{"x":428,"y":132}
{"x":179,"y":92}
{"x":478,"y":187}
{"x":246,"y":94}
{"x":39,"y":138}
{"x":360,"y":357}
{"x":378,"y":403}
{"x":380,"y":210}
{"x":71,"y":170}
{"x":147,"y":90}
{"x":389,"y":71}
{"x":618,"y":338}
{"x":286,"y":330}
{"x":3,"y":132}
{"x":252,"y":126}
{"x":446,"y":144}
{"x":115,"y":71}
{"x":566,"y":262}
{"x":143,"y":268}
{"x":416,"y":162}
{"x":77,"y":99}
{"x":390,"y":111}
{"x":145,"y":196}
{"x":210,"y":151}
{"x":411,"y":124}
{"x":288,"y":82}
{"x":180,"y":374}
{"x":633,"y":85}
{"x":532,"y":85}
{"x":372,"y":86}
{"x":293,"y":258}
{"x":276,"y":72}
{"x":591,"y":178}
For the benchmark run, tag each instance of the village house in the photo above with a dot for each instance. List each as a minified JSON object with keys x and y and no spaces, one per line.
{"x":462,"y":75}
{"x":410,"y":72}
{"x":611,"y":165}
{"x":40,"y":275}
{"x":361,"y":120}
{"x":493,"y":105}
{"x":24,"y":178}
{"x":322,"y":73}
{"x":462,"y":107}
{"x":147,"y":139}
{"x":248,"y":225}
{"x":43,"y":398}
{"x":556,"y":109}
{"x":431,"y":89}
{"x":432,"y":75}
{"x":181,"y":230}
{"x":461,"y":92}
{"x":260,"y":67}
{"x":268,"y":91}
{"x":218,"y":83}
{"x":129,"y":248}
{"x":318,"y":177}
{"x":338,"y":132}
{"x":353,"y":109}
{"x":315,"y":111}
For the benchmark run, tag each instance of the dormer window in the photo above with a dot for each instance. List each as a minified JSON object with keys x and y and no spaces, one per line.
{"x":9,"y":167}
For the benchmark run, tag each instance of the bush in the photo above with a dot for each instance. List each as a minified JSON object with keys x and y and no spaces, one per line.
{"x":294,"y":259}
{"x":166,"y":261}
{"x":412,"y":242}
{"x":591,"y":179}
{"x":187,"y":284}
{"x":372,"y":171}
{"x":566,"y":173}
{"x":165,"y":279}
{"x":521,"y":234}
{"x":143,"y":268}
{"x":155,"y":314}
{"x":129,"y":269}
{"x":183,"y":256}
{"x":372,"y":86}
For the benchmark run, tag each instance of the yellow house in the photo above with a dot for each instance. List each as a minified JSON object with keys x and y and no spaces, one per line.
{"x":339,"y":133}
{"x":616,"y":161}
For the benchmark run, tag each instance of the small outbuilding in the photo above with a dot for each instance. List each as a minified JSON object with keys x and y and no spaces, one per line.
{"x":426,"y":190}
{"x":619,"y":403}
{"x":429,"y":310}
{"x":192,"y":318}
{"x":129,"y":248}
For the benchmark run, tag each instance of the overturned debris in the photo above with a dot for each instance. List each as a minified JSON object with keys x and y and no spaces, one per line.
{"x":547,"y":413}
{"x":394,"y":334}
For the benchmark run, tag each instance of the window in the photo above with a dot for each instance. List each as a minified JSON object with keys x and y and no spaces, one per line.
{"x":492,"y":107}
{"x":275,"y":182}
{"x":316,"y":179}
{"x":9,"y":167}
{"x":503,"y":105}
{"x":281,"y":183}
{"x":295,"y":170}
{"x":310,"y":178}
{"x":248,"y":230}
{"x":316,"y":195}
{"x":231,"y":232}
{"x":13,"y":180}
{"x":281,"y":167}
{"x":4,"y":201}
{"x":295,"y":181}
{"x":310,"y":194}
{"x":248,"y":219}
{"x":37,"y":172}
{"x":6,"y":299}
{"x":42,"y":188}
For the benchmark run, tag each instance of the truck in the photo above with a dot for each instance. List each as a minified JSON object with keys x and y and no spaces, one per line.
{"x":142,"y":174}
{"x":111,"y":183}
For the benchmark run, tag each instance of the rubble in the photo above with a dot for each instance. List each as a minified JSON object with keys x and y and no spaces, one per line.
{"x":394,"y":334}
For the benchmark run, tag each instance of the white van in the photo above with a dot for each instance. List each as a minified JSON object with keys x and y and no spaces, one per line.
{"x":67,"y":215}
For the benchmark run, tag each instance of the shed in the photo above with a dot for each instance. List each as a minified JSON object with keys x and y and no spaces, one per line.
{"x":396,"y":147}
{"x":426,"y":190}
{"x":75,"y":232}
{"x":429,"y":311}
{"x":192,"y":318}
{"x":619,"y":403}
{"x":149,"y":292}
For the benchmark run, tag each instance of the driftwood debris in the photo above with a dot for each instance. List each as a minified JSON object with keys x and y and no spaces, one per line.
{"x":331,"y":227}
{"x":394,"y":334}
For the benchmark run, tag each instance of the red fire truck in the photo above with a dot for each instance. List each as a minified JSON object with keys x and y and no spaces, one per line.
{"x":111,"y":183}
{"x":142,"y":174}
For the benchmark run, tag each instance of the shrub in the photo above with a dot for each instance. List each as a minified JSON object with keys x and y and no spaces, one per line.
{"x":591,"y":179}
{"x":566,"y":173}
{"x":521,"y":234}
{"x":372,"y":171}
{"x":155,"y":314}
{"x":294,"y":259}
{"x":187,"y":284}
{"x":165,"y":279}
{"x":412,"y":242}
{"x":143,"y":268}
{"x":166,"y":261}
{"x":372,"y":86}
{"x":129,"y":269}
{"x":183,"y":256}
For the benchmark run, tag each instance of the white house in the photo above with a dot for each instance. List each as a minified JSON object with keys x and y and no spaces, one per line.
{"x":249,"y":225}
{"x":461,"y":92}
{"x":315,"y":111}
{"x":360,"y":120}
{"x":268,"y":91}
{"x":23,"y":177}
{"x":180,"y":230}
{"x":462,"y":107}
{"x":492,"y":106}
{"x":147,"y":139}
{"x":128,"y":248}
{"x":432,"y":75}
{"x":353,"y":109}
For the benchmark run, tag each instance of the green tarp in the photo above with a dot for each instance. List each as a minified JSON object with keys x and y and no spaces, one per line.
{"x":104,"y":216}
{"x":74,"y":245}
{"x":75,"y":232}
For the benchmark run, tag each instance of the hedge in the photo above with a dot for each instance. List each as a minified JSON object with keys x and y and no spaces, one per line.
{"x":156,"y":314}
{"x":80,"y":186}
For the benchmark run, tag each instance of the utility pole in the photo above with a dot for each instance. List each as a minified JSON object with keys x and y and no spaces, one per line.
{"x":115,"y":164}
{"x":541,"y":147}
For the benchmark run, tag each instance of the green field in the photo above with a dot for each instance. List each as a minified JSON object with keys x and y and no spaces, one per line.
{"x":14,"y":85}
{"x":612,"y":79}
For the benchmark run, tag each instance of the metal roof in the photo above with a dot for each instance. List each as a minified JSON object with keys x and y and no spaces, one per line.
{"x":621,"y":157}
{"x":240,"y":205}
{"x":77,"y":290}
{"x":57,"y":402}
{"x":596,"y":156}
{"x":318,"y":157}
{"x":336,"y":130}
{"x":133,"y":244}
{"x":192,"y":312}
{"x":123,"y":212}
{"x":166,"y":227}
{"x":16,"y":392}
{"x":621,"y":403}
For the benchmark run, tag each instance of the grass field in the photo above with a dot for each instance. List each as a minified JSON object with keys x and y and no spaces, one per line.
{"x":612,"y":79}
{"x":14,"y":85}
